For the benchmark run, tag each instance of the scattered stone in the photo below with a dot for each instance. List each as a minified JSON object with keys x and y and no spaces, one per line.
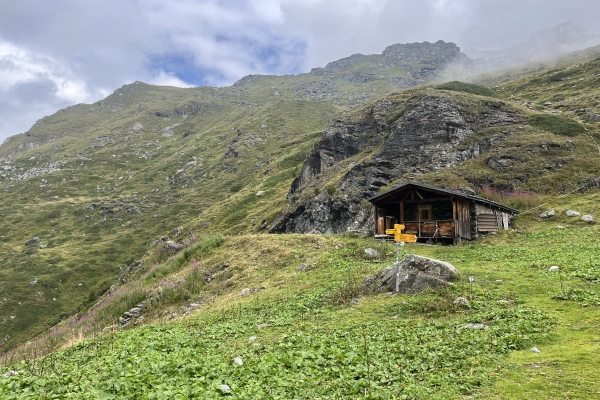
{"x":10,"y":373}
{"x":548,"y":214}
{"x":354,"y":301}
{"x":371,"y":253}
{"x":224,"y":388}
{"x":534,"y":350}
{"x":238,"y":361}
{"x":178,"y":231}
{"x":572,"y":213}
{"x":504,"y":302}
{"x":260,"y":193}
{"x":587,"y":218}
{"x":42,"y":246}
{"x":305,"y":267}
{"x":548,"y":103}
{"x":472,"y":325}
{"x":461,"y":301}
{"x":247,"y":291}
{"x":338,"y":246}
{"x":553,"y":268}
{"x":261,"y":326}
{"x":251,"y":339}
{"x":33,"y":240}
{"x":416,"y":274}
{"x":33,"y":282}
{"x":560,"y":227}
{"x":172,"y":246}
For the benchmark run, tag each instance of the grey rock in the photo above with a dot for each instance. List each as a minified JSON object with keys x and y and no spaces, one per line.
{"x":371,"y":253}
{"x":224,"y":388}
{"x":172,"y":246}
{"x":135,"y":312}
{"x":355,"y":301}
{"x":503,"y":302}
{"x":472,"y":325}
{"x":461,"y":301}
{"x":178,"y":231}
{"x":33,"y":240}
{"x":534,"y":350}
{"x":260,"y":193}
{"x":587,"y":218}
{"x":553,"y":268}
{"x":33,"y":282}
{"x":261,"y":326}
{"x":416,"y":274}
{"x":548,"y":214}
{"x":572,"y":213}
{"x":10,"y":373}
{"x":560,"y":227}
{"x":247,"y":291}
{"x":305,"y":267}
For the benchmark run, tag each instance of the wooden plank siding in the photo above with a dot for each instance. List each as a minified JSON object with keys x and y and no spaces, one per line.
{"x":463,"y":211}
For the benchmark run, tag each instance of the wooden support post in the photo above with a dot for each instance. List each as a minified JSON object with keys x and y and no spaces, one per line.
{"x":375,"y":221}
{"x":401,"y":212}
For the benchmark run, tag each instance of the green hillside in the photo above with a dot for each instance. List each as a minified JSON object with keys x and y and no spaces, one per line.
{"x":163,"y":197}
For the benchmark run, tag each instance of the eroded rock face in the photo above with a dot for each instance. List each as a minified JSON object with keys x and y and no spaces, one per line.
{"x":425,"y":136}
{"x":416,"y":274}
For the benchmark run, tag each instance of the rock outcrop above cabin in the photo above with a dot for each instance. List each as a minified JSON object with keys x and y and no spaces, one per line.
{"x":420,"y":134}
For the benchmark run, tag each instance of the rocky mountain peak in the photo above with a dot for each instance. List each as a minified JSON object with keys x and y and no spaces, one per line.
{"x":438,"y":53}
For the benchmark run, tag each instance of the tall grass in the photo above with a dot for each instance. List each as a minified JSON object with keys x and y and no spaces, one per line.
{"x":519,"y":199}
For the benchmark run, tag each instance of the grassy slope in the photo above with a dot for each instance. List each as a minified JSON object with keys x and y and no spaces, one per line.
{"x":181,"y":157}
{"x":314,"y":342}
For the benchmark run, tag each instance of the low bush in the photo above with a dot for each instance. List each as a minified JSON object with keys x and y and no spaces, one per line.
{"x":467,"y":87}
{"x":556,"y":124}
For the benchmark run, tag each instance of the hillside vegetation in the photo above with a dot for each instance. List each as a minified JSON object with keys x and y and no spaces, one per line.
{"x":263,"y":327}
{"x":135,"y":228}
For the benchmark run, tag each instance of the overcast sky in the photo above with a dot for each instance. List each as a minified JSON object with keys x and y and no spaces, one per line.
{"x":61,"y":52}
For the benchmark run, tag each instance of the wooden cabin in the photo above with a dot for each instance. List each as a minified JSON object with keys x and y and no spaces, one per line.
{"x":433,"y":213}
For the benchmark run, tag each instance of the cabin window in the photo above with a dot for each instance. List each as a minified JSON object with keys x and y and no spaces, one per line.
{"x":425,"y":212}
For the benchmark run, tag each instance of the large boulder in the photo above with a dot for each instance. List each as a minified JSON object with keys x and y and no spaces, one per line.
{"x":416,"y":274}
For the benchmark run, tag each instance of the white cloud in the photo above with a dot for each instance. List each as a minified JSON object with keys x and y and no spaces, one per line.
{"x":57,"y":53}
{"x":163,"y":78}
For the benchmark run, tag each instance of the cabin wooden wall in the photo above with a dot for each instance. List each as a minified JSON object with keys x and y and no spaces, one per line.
{"x":463,"y":217}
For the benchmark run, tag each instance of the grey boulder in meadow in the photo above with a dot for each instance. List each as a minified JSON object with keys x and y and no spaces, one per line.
{"x":416,"y":274}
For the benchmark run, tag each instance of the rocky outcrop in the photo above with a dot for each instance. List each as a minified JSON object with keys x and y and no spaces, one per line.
{"x":416,"y":274}
{"x":423,"y":133}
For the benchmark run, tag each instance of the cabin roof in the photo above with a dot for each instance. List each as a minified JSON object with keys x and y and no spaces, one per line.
{"x":400,"y":188}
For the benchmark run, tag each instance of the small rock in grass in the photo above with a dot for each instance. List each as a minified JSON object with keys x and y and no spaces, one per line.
{"x":548,"y":213}
{"x":503,"y":302}
{"x":587,"y":218}
{"x":33,"y":240}
{"x":472,"y":325}
{"x":553,"y":268}
{"x":246,"y":291}
{"x":251,"y":339}
{"x":461,"y":301}
{"x":534,"y":350}
{"x":238,"y":361}
{"x":260,"y":193}
{"x":261,"y":326}
{"x":560,"y":227}
{"x":354,"y":301}
{"x":572,"y":213}
{"x":371,"y":253}
{"x":224,"y":388}
{"x":10,"y":373}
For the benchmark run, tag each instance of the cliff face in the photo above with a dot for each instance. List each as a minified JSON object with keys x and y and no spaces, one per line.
{"x":355,"y":158}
